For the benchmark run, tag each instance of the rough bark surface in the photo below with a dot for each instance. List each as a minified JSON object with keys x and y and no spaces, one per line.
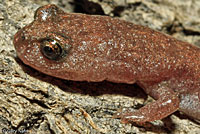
{"x":31,"y":102}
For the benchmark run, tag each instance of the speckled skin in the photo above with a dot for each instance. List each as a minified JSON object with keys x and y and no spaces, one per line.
{"x":104,"y":48}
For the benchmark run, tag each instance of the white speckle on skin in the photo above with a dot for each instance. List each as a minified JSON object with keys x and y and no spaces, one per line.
{"x":56,"y":38}
{"x":83,"y":42}
{"x":110,"y":41}
{"x":167,"y":102}
{"x":169,"y":66}
{"x":134,"y":117}
{"x":44,"y":15}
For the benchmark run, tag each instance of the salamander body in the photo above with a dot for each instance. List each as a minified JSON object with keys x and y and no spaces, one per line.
{"x":93,"y":48}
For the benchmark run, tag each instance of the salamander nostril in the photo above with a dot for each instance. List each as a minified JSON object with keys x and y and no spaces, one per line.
{"x":23,"y":37}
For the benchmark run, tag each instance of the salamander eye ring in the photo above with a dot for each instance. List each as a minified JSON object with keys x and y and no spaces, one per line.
{"x":52,"y":49}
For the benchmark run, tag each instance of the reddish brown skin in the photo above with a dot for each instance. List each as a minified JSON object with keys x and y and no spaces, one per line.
{"x":104,"y":48}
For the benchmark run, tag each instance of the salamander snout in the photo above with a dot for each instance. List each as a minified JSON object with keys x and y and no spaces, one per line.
{"x":19,"y":41}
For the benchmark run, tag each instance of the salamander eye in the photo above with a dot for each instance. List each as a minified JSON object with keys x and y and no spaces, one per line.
{"x":51,"y":49}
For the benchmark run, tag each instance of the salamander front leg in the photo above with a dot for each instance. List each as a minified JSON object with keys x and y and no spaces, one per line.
{"x":167,"y":102}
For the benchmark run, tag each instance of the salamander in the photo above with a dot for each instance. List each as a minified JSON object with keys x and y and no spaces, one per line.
{"x":80,"y":47}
